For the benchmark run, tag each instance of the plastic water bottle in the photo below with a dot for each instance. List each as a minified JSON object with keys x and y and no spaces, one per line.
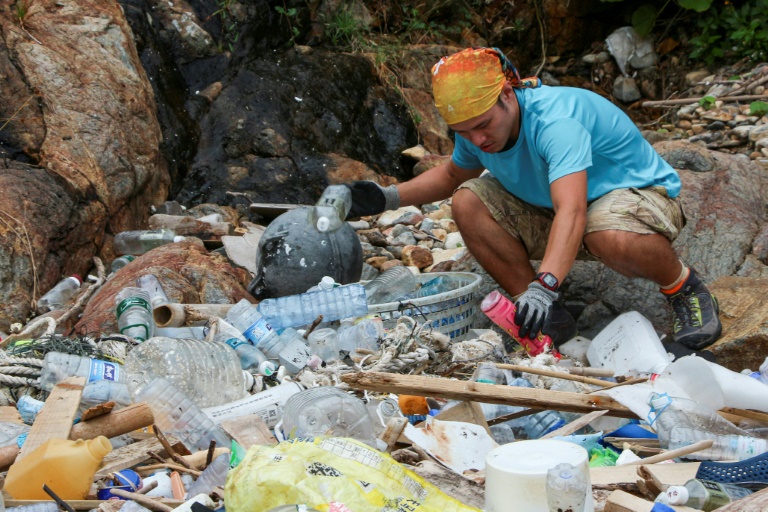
{"x":324,"y":344}
{"x":178,"y":415}
{"x":58,"y":366}
{"x":215,"y":475}
{"x":566,"y":488}
{"x":295,"y":310}
{"x":251,"y":358}
{"x":152,"y":286}
{"x":501,"y":311}
{"x":140,"y":242}
{"x":364,"y":334}
{"x":122,"y":261}
{"x":207,"y":373}
{"x":705,"y":495}
{"x":247,"y":319}
{"x":326,"y":283}
{"x":725,"y":447}
{"x":330,"y":211}
{"x":435,"y":286}
{"x":60,"y":294}
{"x":134,"y":314}
{"x":390,"y":285}
{"x":488,"y":373}
{"x":290,"y":348}
{"x":103,"y":391}
{"x":542,"y":423}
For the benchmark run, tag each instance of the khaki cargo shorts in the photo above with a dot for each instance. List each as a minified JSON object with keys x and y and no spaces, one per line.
{"x":645,"y":211}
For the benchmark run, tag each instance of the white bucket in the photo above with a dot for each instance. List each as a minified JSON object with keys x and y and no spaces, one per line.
{"x":516,"y":474}
{"x":629,"y":346}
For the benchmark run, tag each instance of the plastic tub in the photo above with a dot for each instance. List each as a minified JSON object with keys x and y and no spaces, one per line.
{"x":453,"y":312}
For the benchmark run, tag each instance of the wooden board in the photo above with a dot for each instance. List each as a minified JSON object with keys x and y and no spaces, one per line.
{"x":130,"y":455}
{"x":670,"y":474}
{"x":620,"y":501}
{"x":54,"y":421}
{"x":486,"y":393}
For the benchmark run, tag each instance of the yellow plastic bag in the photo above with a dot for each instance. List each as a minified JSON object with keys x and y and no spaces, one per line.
{"x":330,"y":474}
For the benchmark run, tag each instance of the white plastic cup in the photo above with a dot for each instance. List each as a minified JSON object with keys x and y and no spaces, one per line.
{"x":517,"y":473}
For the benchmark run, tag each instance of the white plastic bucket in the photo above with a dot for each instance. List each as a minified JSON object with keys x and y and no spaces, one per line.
{"x":516,"y":474}
{"x":629,"y":346}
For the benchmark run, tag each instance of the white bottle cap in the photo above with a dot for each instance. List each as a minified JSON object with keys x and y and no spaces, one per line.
{"x":678,"y":495}
{"x":323,"y":224}
{"x":179,"y":239}
{"x":326,"y":283}
{"x":267,"y":368}
{"x":77,"y":279}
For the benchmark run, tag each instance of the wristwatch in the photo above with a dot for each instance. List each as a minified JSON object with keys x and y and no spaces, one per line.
{"x":548,"y":280}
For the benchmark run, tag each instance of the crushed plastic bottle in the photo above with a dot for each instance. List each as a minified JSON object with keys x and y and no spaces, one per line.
{"x":725,"y":447}
{"x":302,"y":309}
{"x":363,"y":334}
{"x":566,"y":489}
{"x":324,"y":344}
{"x":391,"y":285}
{"x":330,"y":211}
{"x":247,"y":319}
{"x":290,"y":348}
{"x":154,"y":289}
{"x":103,"y":391}
{"x":139,"y":242}
{"x":60,"y":294}
{"x":251,"y":358}
{"x":215,"y":475}
{"x":120,"y":262}
{"x":134,"y":313}
{"x":58,"y":366}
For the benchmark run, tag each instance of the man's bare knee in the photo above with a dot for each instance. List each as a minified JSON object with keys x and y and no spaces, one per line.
{"x":465,"y":205}
{"x":604,"y":243}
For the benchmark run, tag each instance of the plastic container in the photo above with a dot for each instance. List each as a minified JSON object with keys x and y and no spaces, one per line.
{"x":452,"y":312}
{"x":207,"y":373}
{"x":152,"y":286}
{"x":58,"y":366}
{"x":140,"y":242}
{"x":268,"y":404}
{"x":330,"y":211}
{"x":28,"y":409}
{"x":334,"y":304}
{"x":251,"y":359}
{"x":629,"y":346}
{"x":705,"y":495}
{"x":215,"y":475}
{"x":67,"y":467}
{"x":725,"y":447}
{"x":324,"y":344}
{"x":247,"y":319}
{"x":364,"y":334}
{"x":290,"y":348}
{"x":179,"y":416}
{"x":134,"y":313}
{"x":391,"y":285}
{"x":120,"y":262}
{"x":60,"y":294}
{"x":501,"y":311}
{"x":327,"y":411}
{"x":516,"y":473}
{"x":566,"y":488}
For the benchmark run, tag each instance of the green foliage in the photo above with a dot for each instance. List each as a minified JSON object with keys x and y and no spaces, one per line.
{"x":733,"y":32}
{"x":291,"y":16}
{"x":20,"y":10}
{"x":228,"y":22}
{"x":707,"y":102}
{"x":758,"y":108}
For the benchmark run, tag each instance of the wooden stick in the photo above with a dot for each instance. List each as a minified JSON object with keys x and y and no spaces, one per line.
{"x":686,"y":101}
{"x":209,"y":455}
{"x":672,"y":454}
{"x":163,"y":441}
{"x":748,"y":414}
{"x":155,"y":456}
{"x":487,"y":393}
{"x":142,"y":500}
{"x":115,"y":423}
{"x":512,"y":416}
{"x":148,"y":487}
{"x":590,"y":372}
{"x":312,"y":326}
{"x":575,"y":425}
{"x":552,"y":373}
{"x":169,"y":465}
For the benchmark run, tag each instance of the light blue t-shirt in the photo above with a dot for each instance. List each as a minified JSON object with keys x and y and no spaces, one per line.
{"x":566,"y":130}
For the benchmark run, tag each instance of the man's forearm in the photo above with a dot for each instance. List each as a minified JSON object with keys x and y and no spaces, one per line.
{"x":564,"y":242}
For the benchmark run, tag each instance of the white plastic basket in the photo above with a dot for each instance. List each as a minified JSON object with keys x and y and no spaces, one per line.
{"x":453,"y":312}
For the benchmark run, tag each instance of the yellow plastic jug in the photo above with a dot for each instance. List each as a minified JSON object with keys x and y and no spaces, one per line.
{"x":67,"y":467}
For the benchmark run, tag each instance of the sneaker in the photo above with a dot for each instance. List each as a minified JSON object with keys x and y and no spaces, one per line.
{"x":696,"y":314}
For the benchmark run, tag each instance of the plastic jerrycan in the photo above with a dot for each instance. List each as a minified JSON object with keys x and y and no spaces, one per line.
{"x":66,"y":466}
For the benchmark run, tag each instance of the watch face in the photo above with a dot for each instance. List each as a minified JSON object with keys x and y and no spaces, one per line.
{"x":549,"y":280}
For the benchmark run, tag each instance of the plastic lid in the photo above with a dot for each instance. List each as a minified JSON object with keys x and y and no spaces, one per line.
{"x":678,"y":495}
{"x":323,"y":224}
{"x":79,"y":279}
{"x":179,"y":238}
{"x":490,"y":300}
{"x":326,"y":283}
{"x":267,"y":368}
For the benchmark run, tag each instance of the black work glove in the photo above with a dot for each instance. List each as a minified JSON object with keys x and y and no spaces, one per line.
{"x":370,"y":198}
{"x":532,"y":309}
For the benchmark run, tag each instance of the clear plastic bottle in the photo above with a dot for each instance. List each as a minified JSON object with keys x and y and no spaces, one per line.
{"x":725,"y":447}
{"x":542,"y":423}
{"x":60,"y":294}
{"x":58,"y":366}
{"x":103,"y":391}
{"x":122,"y":261}
{"x":566,"y":488}
{"x":247,"y":319}
{"x":290,"y":348}
{"x":215,"y":475}
{"x":324,"y":344}
{"x":391,"y":285}
{"x":208,"y":373}
{"x":152,"y":286}
{"x":134,"y":313}
{"x":295,"y":310}
{"x":705,"y":495}
{"x":251,"y":358}
{"x":140,"y":242}
{"x":177,"y":415}
{"x":330,"y":211}
{"x":435,"y":286}
{"x":364,"y":334}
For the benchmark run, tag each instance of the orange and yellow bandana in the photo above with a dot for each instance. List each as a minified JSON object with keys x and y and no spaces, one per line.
{"x":468,"y":83}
